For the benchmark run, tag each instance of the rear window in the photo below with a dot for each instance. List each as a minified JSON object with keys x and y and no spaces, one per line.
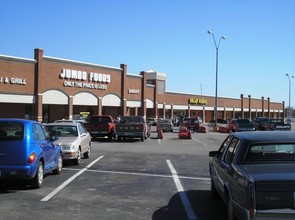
{"x":271,"y":152}
{"x":63,"y":131}
{"x":100,"y":120}
{"x":11,"y":131}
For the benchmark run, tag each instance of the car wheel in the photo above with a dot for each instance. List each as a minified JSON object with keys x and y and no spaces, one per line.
{"x":110,"y":137}
{"x":59,"y":165}
{"x":142,"y":139}
{"x":87,"y":153}
{"x":230,"y":210}
{"x":77,"y":161}
{"x":37,"y":181}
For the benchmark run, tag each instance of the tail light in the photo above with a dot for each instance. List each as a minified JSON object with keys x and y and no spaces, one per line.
{"x":251,"y":200}
{"x":32,"y":158}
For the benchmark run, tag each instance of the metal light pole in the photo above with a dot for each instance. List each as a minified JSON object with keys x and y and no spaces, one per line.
{"x":289,"y":114}
{"x":216,"y":82}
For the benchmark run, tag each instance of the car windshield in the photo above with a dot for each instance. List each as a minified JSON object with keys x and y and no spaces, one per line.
{"x":63,"y":131}
{"x":11,"y":131}
{"x":271,"y":152}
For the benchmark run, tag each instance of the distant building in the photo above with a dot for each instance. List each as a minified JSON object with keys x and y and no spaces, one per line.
{"x":48,"y":88}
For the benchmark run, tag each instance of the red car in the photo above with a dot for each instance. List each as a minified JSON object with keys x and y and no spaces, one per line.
{"x":184,"y":133}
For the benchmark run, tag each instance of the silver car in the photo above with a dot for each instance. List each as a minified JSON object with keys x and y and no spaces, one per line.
{"x":166,"y":125}
{"x":73,"y":138}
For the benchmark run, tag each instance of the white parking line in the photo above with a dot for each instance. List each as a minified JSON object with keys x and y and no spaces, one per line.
{"x":186,"y":204}
{"x":199,"y":141}
{"x":54,"y":192}
{"x":143,"y":174}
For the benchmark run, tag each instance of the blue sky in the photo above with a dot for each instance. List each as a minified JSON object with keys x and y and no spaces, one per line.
{"x":169,"y":36}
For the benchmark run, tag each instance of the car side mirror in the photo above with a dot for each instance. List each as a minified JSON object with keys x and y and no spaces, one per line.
{"x":213,"y":153}
{"x":54,"y":138}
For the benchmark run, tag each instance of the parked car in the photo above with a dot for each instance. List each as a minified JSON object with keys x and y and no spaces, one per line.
{"x":152,"y":121}
{"x":101,"y":126}
{"x":242,"y":124}
{"x":219,"y":121}
{"x":260,"y":122}
{"x":73,"y":138}
{"x":27,"y":151}
{"x":276,"y":124}
{"x":253,"y":173}
{"x":132,"y":127}
{"x":191,"y":123}
{"x":166,"y":125}
{"x":184,"y":133}
{"x":71,"y":120}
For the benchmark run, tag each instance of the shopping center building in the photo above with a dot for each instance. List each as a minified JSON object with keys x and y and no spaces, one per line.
{"x":49,"y":88}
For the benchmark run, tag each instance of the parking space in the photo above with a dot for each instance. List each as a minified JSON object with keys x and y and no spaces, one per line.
{"x":155,"y":179}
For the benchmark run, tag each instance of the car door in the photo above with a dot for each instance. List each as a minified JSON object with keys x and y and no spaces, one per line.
{"x":46,"y":146}
{"x":216,"y":163}
{"x":225,"y":170}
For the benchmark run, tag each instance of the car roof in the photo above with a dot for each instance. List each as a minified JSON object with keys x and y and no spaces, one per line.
{"x":266,"y":136}
{"x":62,"y":124}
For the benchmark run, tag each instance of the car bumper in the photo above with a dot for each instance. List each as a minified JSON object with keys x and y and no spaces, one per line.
{"x":130,"y":134}
{"x":68,"y":155}
{"x":98,"y":134}
{"x":17,"y":172}
{"x":271,"y":214}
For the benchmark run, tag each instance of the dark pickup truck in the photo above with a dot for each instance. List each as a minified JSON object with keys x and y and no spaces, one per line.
{"x":101,"y":126}
{"x":277,"y":124}
{"x":132,"y":127}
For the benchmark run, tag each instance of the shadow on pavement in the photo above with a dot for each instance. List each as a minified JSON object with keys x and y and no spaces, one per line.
{"x":204,"y":207}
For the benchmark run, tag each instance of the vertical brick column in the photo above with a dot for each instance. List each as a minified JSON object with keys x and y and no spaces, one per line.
{"x":268,"y":106}
{"x":99,"y":106}
{"x":242,"y":106}
{"x":250,"y":112}
{"x":123,"y":89}
{"x":171,"y":111}
{"x":70,"y":107}
{"x":164,"y":110}
{"x":37,"y":110}
{"x":262,"y":106}
{"x":143,"y":93}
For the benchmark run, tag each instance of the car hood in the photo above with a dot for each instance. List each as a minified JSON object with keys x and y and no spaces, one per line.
{"x":270,"y":172}
{"x":66,"y":140}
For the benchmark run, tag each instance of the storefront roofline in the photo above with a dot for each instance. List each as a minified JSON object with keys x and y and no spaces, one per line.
{"x":19,"y":59}
{"x":133,"y":75}
{"x":80,"y":63}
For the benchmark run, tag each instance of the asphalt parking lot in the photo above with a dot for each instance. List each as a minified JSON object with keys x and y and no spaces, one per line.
{"x":156,"y":179}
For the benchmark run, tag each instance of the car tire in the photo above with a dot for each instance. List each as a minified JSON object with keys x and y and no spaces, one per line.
{"x":77,"y":161}
{"x":59,"y":165}
{"x":142,"y":139}
{"x":87,"y":153}
{"x":37,"y":181}
{"x":110,"y":137}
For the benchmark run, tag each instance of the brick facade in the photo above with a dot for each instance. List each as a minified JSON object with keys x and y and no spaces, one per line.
{"x":48,"y":88}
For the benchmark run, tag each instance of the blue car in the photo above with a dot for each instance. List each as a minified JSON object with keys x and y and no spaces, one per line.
{"x":27,"y":151}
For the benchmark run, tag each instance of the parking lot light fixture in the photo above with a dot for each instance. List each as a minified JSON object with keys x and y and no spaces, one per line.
{"x":289,"y":113}
{"x":216,"y":81}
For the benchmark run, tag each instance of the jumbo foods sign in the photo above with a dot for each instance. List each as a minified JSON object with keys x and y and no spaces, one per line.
{"x":83,"y":79}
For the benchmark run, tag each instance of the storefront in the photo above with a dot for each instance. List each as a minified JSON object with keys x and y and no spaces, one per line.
{"x":48,"y":88}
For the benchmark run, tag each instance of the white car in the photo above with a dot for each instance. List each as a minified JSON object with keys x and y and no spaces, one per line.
{"x":73,"y":138}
